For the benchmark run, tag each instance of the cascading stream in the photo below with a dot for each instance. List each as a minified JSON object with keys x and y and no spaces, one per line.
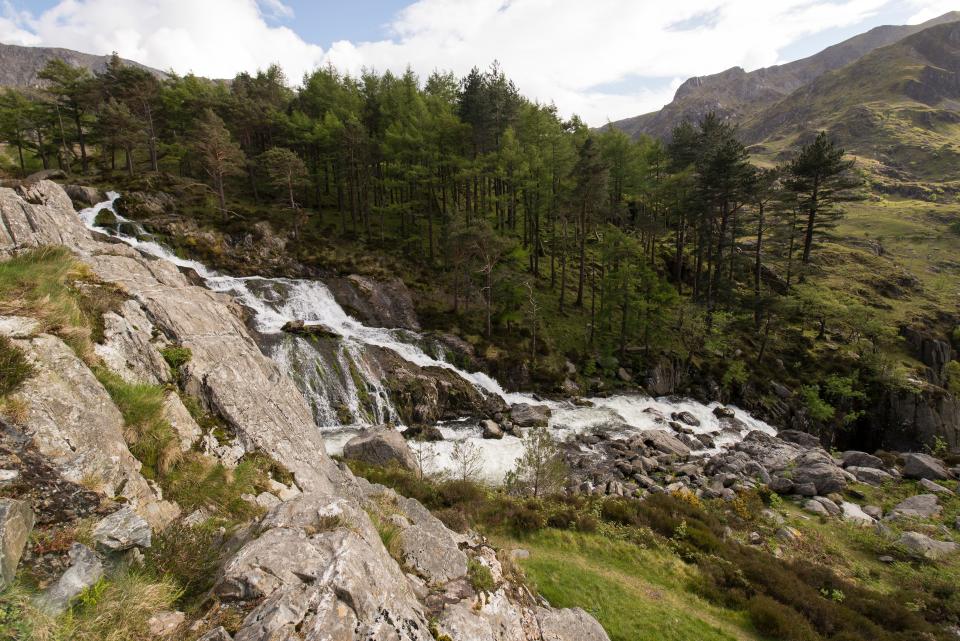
{"x":345,"y":390}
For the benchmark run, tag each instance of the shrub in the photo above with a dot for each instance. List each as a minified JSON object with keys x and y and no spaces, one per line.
{"x":479,"y":576}
{"x":188,"y":555}
{"x":15,"y":369}
{"x":777,"y":621}
{"x":176,"y":357}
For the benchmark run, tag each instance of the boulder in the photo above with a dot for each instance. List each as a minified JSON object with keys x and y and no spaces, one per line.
{"x":428,"y":549}
{"x":924,"y":466}
{"x":83,"y":196}
{"x":687,"y":418}
{"x":803,"y":439}
{"x":381,"y":446}
{"x":830,"y":506}
{"x":490,"y":429}
{"x":122,"y":530}
{"x":526,"y":415}
{"x":219,"y":633}
{"x":936,"y":488}
{"x":855,"y":514}
{"x":854,"y":458}
{"x":922,"y":546}
{"x":166,"y":623}
{"x":38,"y":214}
{"x":16,"y":523}
{"x":85,"y":570}
{"x":815,"y":508}
{"x":869,"y":475}
{"x":818,"y":468}
{"x":780,"y":485}
{"x":921,"y":506}
{"x":317,"y":330}
{"x":383,"y":302}
{"x":422,"y":432}
{"x":723,"y":412}
{"x":662,"y":442}
{"x":873,"y":511}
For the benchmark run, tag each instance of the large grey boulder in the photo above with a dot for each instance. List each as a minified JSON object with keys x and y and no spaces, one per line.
{"x":870,"y":475}
{"x":490,"y":429}
{"x":122,"y":530}
{"x":817,"y":467}
{"x":921,"y":506}
{"x":772,"y":453}
{"x":84,"y":196}
{"x":855,"y":514}
{"x":382,"y":446}
{"x":936,"y":488}
{"x":84,"y":571}
{"x":923,"y":547}
{"x":526,"y":415}
{"x":38,"y":214}
{"x":660,"y":441}
{"x":16,"y":522}
{"x":924,"y":466}
{"x":854,"y":458}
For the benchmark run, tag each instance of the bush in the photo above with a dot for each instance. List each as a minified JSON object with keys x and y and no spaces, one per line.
{"x":176,"y":357}
{"x":188,"y":555}
{"x":479,"y":576}
{"x":15,"y":369}
{"x":777,"y":621}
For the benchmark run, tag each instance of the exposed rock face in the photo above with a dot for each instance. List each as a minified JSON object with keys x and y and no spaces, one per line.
{"x":380,"y":303}
{"x":381,"y":446}
{"x":128,"y":348}
{"x":921,"y":506}
{"x":74,"y":423}
{"x":37,"y":215}
{"x":16,"y":522}
{"x":83,"y":196}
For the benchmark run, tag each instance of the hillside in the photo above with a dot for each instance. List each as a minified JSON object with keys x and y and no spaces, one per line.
{"x":19,"y":65}
{"x":896,"y":108}
{"x":738,"y":94}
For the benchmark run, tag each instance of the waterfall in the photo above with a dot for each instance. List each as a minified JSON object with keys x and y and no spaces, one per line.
{"x":344,"y":385}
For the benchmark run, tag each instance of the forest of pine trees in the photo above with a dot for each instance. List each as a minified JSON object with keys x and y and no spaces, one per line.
{"x":528,"y":220}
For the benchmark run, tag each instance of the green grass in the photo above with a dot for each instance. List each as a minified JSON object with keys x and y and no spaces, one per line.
{"x":51,"y":286}
{"x":636,"y":594}
{"x":15,"y":369}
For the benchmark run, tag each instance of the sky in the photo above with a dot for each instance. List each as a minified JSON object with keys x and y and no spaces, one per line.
{"x":601,"y":59}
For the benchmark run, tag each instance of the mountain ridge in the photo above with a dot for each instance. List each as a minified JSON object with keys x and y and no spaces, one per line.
{"x":738,"y":94}
{"x":20,"y":65}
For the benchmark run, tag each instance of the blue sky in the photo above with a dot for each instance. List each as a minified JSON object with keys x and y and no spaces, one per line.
{"x":602,"y":59}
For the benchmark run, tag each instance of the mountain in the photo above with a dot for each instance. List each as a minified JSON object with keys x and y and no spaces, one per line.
{"x":898,"y":107}
{"x":19,"y":65}
{"x":739,"y":94}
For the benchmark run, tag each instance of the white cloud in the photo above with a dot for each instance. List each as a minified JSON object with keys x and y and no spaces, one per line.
{"x":215,"y":38}
{"x":929,"y":9}
{"x":569,"y":52}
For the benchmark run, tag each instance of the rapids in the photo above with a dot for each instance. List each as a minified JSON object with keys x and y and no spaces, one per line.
{"x":329,"y":378}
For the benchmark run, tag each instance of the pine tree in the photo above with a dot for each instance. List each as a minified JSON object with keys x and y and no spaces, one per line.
{"x":219,"y":155}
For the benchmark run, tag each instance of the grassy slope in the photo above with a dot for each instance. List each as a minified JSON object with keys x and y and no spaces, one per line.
{"x":637,"y":594}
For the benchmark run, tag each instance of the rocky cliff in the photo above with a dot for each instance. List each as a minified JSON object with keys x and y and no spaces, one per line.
{"x":315,"y":566}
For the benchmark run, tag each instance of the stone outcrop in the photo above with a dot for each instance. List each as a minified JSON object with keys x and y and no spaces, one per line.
{"x":924,"y":466}
{"x":378,"y":303}
{"x":526,"y":415}
{"x":315,"y":566}
{"x":381,"y":446}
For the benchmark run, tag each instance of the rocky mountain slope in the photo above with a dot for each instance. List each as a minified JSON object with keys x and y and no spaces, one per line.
{"x":739,"y":95}
{"x":20,"y":65}
{"x":316,"y":565}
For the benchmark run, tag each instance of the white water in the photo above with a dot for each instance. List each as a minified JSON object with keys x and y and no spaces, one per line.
{"x":276,"y":301}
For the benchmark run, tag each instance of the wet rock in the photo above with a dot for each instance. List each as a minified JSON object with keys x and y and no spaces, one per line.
{"x":490,"y":429}
{"x":83,"y":196}
{"x":723,"y":412}
{"x":869,"y":475}
{"x":423,"y":433}
{"x":381,"y":446}
{"x":853,"y":458}
{"x":376,"y":302}
{"x":686,"y":418}
{"x":924,"y":466}
{"x":317,"y":330}
{"x":526,"y":415}
{"x":16,"y":523}
{"x":922,"y":546}
{"x":921,"y":506}
{"x":122,"y":530}
{"x":660,"y":441}
{"x":85,"y":570}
